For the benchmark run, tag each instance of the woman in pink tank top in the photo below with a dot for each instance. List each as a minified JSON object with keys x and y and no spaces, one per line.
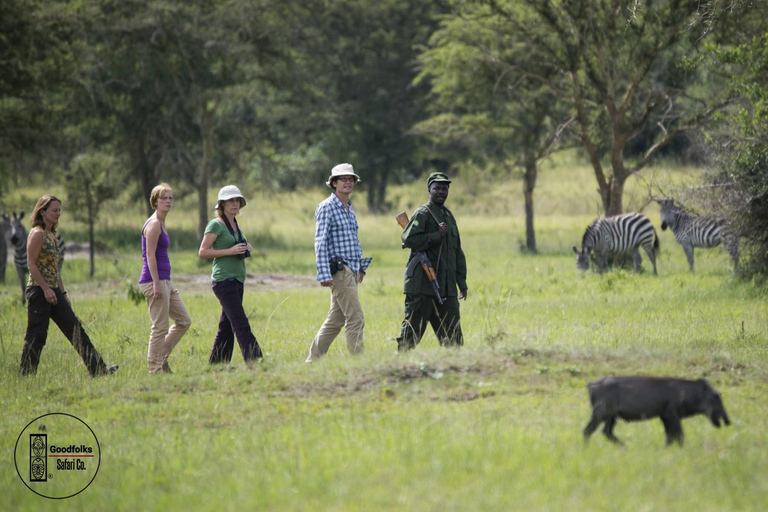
{"x":163,"y":298}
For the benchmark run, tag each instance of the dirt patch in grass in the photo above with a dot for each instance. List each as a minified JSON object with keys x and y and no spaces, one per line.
{"x":270,"y":282}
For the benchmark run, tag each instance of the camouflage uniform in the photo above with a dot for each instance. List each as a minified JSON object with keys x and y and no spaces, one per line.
{"x":447,"y":258}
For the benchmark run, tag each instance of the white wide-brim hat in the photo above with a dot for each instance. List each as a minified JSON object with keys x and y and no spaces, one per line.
{"x":342,"y":170}
{"x":229,"y":192}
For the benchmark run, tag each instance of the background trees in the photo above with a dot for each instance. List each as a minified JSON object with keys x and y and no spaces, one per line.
{"x":621,"y":64}
{"x":197,"y":92}
{"x":90,"y":184}
{"x":164,"y":71}
{"x":740,"y":176}
{"x":482,"y":104}
{"x":359,"y":63}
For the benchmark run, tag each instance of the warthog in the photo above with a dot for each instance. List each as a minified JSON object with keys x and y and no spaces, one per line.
{"x":642,"y":398}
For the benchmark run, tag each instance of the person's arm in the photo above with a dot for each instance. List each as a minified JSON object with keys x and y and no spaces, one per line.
{"x":34,"y":244}
{"x":207,"y":252}
{"x":461,"y":268}
{"x":61,"y":288}
{"x":322,"y":258}
{"x":152,"y":235}
{"x":364,"y":264}
{"x":415,"y":235}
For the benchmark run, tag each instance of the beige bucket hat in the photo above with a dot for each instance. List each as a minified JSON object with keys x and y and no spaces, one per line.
{"x":229,"y":192}
{"x":342,"y":170}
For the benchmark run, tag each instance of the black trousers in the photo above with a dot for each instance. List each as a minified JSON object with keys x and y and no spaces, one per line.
{"x":40,"y":313}
{"x":232,"y":322}
{"x":421,"y":310}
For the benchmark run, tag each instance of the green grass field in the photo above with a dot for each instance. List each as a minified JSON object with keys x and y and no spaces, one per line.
{"x":495,"y":425}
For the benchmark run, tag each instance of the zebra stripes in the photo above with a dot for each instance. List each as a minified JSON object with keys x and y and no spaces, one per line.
{"x":692,"y":231}
{"x":19,"y":243}
{"x":615,"y":235}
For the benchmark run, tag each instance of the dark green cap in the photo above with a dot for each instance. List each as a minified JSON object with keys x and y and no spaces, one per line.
{"x":437,"y":176}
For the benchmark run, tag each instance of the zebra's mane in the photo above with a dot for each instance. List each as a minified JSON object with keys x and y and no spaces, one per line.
{"x":693,"y":214}
{"x":592,"y":228}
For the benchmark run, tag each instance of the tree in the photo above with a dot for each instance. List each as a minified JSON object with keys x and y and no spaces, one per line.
{"x":358,"y":64}
{"x":740,"y":177}
{"x":35,"y":44}
{"x":622,"y":67}
{"x":165,"y":69}
{"x":90,"y":182}
{"x":479,"y":101}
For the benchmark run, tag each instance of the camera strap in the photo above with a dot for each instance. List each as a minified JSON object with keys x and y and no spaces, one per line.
{"x":239,"y":237}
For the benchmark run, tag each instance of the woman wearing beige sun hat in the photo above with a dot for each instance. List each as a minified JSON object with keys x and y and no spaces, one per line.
{"x":225,"y":243}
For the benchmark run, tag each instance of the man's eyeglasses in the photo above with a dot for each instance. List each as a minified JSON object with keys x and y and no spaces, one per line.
{"x":346,"y":178}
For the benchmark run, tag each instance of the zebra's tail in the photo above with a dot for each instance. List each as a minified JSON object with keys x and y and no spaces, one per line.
{"x":656,"y":248}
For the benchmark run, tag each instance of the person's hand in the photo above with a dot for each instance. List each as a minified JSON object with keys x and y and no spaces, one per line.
{"x":362,"y":275}
{"x":50,"y":296}
{"x":238,"y":249}
{"x":326,"y":283}
{"x":248,"y":247}
{"x":442,"y":228}
{"x":156,"y":291}
{"x":463,"y":294}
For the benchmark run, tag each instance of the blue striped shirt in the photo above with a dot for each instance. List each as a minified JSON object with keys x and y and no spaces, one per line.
{"x":336,"y":236}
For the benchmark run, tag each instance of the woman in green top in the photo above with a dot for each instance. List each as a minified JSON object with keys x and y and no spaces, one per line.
{"x":46,"y":297}
{"x":225,"y":244}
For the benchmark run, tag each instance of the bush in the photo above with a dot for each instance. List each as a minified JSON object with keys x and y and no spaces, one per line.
{"x":741,"y":175}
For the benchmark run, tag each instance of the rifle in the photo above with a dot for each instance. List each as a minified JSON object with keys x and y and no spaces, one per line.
{"x":422,"y":259}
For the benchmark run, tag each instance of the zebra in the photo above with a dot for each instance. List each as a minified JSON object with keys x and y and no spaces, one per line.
{"x":618,"y":234}
{"x":19,"y":242}
{"x":692,"y":231}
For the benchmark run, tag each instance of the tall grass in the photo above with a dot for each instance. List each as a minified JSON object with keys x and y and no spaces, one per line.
{"x":495,"y":425}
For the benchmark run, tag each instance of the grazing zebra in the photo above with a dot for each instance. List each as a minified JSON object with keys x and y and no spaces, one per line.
{"x":692,"y":231}
{"x":19,"y":242}
{"x":615,"y":235}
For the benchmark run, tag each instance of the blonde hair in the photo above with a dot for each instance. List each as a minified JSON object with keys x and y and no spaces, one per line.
{"x":157,"y":193}
{"x":42,"y":205}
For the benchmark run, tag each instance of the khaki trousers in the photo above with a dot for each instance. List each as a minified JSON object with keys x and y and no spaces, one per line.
{"x":168,"y":306}
{"x":346,"y":311}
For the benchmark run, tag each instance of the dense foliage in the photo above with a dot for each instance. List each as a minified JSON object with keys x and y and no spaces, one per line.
{"x":199,"y":93}
{"x":741,"y":176}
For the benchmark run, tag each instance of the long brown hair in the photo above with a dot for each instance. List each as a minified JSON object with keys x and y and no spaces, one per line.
{"x":42,"y":205}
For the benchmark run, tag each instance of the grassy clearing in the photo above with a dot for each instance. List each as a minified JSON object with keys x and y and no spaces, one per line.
{"x":493,"y":426}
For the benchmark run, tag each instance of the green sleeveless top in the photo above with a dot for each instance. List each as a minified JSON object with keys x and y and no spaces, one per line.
{"x":47,"y":260}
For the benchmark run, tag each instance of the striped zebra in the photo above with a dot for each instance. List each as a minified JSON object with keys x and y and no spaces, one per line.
{"x":692,"y":231}
{"x":616,"y":235}
{"x":19,"y":243}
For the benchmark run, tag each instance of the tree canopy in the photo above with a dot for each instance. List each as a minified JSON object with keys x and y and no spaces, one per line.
{"x":200,"y":92}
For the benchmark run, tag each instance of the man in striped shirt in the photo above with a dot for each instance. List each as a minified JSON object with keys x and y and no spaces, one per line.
{"x":340,"y":264}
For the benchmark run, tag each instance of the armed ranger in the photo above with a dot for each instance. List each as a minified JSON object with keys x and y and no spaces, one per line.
{"x":420,"y":258}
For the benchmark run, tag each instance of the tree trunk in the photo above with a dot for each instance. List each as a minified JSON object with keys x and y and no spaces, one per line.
{"x":616,"y":204}
{"x":206,"y":130}
{"x":529,"y":184}
{"x":381,"y":189}
{"x":618,"y":179}
{"x":377,"y":190}
{"x":91,"y":244}
{"x":142,"y":167}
